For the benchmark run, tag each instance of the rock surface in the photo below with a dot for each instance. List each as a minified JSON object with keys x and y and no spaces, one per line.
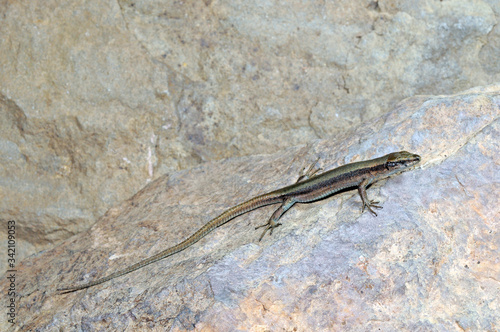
{"x":98,"y":98}
{"x":429,"y":261}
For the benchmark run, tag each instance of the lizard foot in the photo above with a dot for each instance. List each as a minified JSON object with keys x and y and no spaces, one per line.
{"x":370,"y":205}
{"x":269,"y":226}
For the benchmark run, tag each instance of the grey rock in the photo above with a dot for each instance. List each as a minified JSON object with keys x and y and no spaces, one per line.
{"x":429,"y":261}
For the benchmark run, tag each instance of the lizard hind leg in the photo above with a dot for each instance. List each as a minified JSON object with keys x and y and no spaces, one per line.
{"x":269,"y":226}
{"x":307,"y":173}
{"x":272,"y":223}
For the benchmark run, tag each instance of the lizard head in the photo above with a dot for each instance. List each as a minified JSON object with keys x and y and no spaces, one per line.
{"x":398,"y":161}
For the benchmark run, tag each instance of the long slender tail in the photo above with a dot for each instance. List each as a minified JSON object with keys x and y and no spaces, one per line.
{"x":233,"y":212}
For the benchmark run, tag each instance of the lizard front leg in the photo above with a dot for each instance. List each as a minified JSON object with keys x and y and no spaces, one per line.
{"x":366,"y":202}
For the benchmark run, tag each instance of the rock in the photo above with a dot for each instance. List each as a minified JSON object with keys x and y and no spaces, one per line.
{"x":100,"y":98}
{"x":429,"y":260}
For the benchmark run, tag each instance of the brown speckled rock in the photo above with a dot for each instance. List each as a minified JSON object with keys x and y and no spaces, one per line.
{"x":99,"y":98}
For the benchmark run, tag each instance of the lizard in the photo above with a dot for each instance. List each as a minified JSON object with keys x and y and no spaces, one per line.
{"x":308,"y":188}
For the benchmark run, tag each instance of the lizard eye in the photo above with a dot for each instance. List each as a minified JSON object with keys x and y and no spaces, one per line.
{"x":391,"y":164}
{"x":395,"y":164}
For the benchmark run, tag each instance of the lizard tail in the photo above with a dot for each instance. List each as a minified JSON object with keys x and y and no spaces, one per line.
{"x":229,"y":214}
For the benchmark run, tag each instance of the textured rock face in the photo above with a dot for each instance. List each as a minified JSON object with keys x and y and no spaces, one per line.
{"x":429,"y":261}
{"x":98,"y":98}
